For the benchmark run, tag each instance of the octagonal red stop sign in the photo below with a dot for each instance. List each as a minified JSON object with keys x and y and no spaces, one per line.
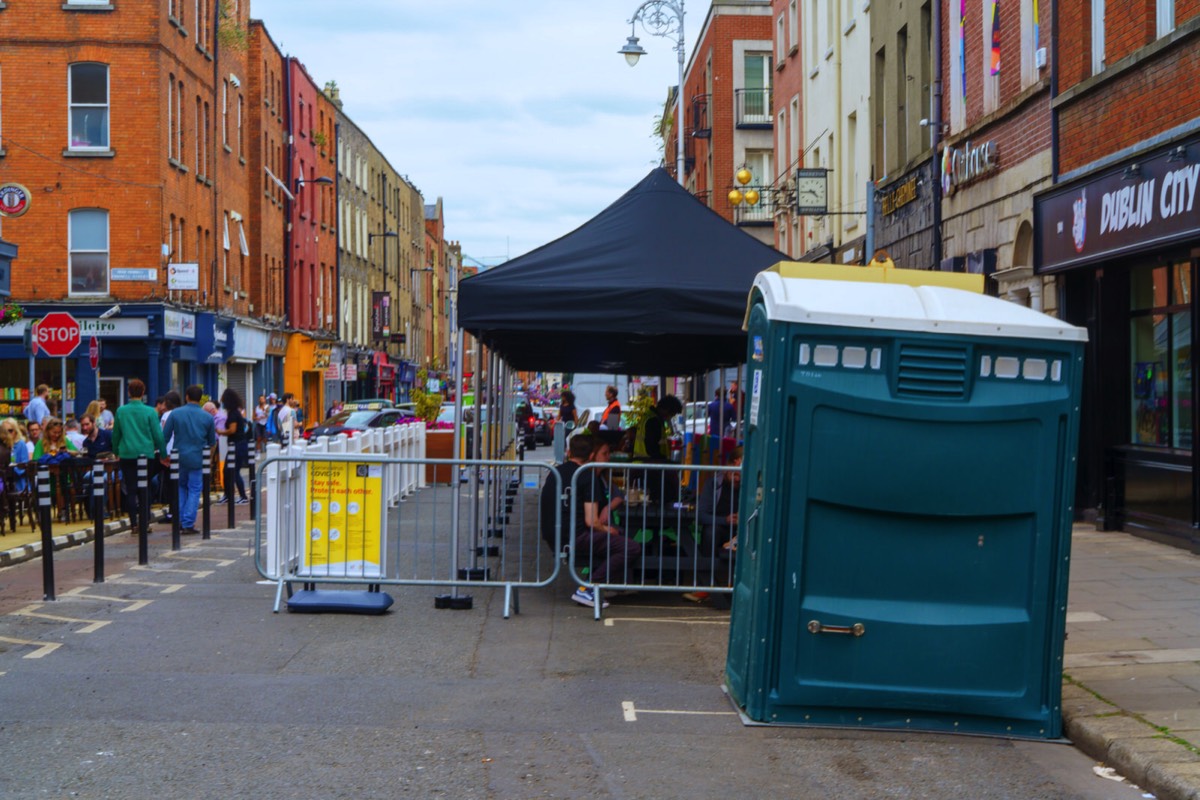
{"x":58,"y":334}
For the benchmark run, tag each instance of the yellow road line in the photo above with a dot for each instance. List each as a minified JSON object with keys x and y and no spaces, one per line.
{"x":42,"y":648}
{"x":89,"y":626}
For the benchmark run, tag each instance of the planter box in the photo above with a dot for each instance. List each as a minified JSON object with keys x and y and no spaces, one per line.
{"x":439,"y":444}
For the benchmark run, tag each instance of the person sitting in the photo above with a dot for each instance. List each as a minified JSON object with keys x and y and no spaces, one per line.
{"x":717,"y":510}
{"x":652,"y":445}
{"x":579,"y":450}
{"x":96,"y":440}
{"x":53,"y":442}
{"x":599,"y":545}
{"x":73,"y":435}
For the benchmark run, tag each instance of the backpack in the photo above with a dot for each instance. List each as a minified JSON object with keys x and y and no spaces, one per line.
{"x":273,"y":422}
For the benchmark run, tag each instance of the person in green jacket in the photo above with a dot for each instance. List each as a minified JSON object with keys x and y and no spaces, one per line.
{"x":136,"y":433}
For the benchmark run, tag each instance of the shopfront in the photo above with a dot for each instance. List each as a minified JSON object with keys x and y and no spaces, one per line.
{"x":246,"y":363}
{"x":385,"y":376}
{"x":214,"y":346}
{"x":304,"y":375}
{"x":905,"y":218}
{"x":270,"y":373}
{"x":1125,"y":243}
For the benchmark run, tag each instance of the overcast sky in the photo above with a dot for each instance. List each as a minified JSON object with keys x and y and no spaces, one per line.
{"x":520,"y":114}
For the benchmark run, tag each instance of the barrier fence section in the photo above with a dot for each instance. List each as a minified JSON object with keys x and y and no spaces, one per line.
{"x":371,"y":509}
{"x":660,"y":527}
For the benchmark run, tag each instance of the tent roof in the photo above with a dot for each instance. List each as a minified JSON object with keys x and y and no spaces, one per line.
{"x":654,"y":284}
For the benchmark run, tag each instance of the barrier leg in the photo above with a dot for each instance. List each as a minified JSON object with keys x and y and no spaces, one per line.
{"x":253,"y":486}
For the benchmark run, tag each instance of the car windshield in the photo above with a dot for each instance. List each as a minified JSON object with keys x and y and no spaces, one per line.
{"x":351,"y":419}
{"x":446,"y":414}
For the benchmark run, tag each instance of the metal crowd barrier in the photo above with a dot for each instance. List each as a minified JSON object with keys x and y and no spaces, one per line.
{"x":364,"y":510}
{"x":665,"y":533}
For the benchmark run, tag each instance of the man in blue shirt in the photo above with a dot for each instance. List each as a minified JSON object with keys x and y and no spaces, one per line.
{"x":194,"y":433}
{"x":721,"y":416}
{"x":38,"y":410}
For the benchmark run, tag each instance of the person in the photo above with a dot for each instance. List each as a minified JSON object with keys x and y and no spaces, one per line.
{"x":610,"y":420}
{"x":566,"y":410}
{"x":72,"y":432}
{"x":96,"y":440}
{"x":33,"y":432}
{"x":260,"y":422}
{"x":18,"y":450}
{"x":651,"y":444}
{"x":286,"y":418}
{"x":297,"y":417}
{"x":334,"y":409}
{"x":235,"y":430}
{"x":38,"y":409}
{"x":720,"y":416}
{"x":193,"y":432}
{"x":136,"y":434}
{"x":579,"y":450}
{"x":93,"y":409}
{"x":105,"y":420}
{"x":599,"y":544}
{"x":160,"y":488}
{"x":219,"y":416}
{"x":53,"y":442}
{"x":716,"y":508}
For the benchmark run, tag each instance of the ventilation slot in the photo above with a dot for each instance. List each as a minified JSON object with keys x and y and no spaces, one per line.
{"x":932,"y":372}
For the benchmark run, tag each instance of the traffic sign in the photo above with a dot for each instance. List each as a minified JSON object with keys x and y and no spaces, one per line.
{"x":94,"y":352}
{"x":58,"y":334}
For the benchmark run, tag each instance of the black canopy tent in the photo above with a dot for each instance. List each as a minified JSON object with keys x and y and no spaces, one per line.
{"x":655,"y":284}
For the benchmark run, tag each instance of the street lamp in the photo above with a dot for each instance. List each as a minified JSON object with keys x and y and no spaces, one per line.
{"x":661,"y":18}
{"x":371,"y":237}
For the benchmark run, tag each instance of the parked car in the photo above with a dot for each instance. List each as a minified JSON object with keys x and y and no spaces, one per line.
{"x":544,"y":419}
{"x":525,"y":424}
{"x":353,"y":419}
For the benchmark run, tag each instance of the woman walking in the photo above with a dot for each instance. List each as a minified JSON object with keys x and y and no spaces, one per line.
{"x":237,"y":433}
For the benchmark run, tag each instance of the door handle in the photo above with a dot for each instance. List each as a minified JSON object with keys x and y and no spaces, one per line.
{"x":855,"y":630}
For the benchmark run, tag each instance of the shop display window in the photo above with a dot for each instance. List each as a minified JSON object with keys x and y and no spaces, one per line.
{"x":1161,"y":412}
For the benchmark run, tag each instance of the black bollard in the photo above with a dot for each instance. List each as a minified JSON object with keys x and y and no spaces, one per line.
{"x":173,"y":498}
{"x":98,"y":487}
{"x":205,"y":486}
{"x":143,"y":478}
{"x":43,"y":498}
{"x":253,"y":484}
{"x":230,"y":471}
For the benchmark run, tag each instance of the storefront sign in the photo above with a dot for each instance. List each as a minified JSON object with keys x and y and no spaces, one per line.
{"x":183,"y":277}
{"x":333,"y":373}
{"x":133,"y":274}
{"x":178,"y":325}
{"x":1133,"y":207}
{"x":321,"y":355}
{"x":901,"y":196}
{"x":381,"y":315}
{"x":118,"y":328}
{"x":962,"y":165}
{"x":350,"y":371}
{"x":277,"y":344}
{"x":250,"y":342}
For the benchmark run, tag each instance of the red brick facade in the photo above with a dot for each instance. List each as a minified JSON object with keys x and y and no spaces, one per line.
{"x":267,"y":139}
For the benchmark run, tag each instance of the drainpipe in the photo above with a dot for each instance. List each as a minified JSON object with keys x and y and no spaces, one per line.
{"x":1053,"y":94}
{"x":935,"y":116}
{"x":288,"y":255}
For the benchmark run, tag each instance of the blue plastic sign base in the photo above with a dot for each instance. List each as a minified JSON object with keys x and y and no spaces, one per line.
{"x":331,"y":601}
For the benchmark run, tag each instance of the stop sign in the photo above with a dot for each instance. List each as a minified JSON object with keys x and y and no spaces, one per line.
{"x":94,"y":352}
{"x":58,"y":334}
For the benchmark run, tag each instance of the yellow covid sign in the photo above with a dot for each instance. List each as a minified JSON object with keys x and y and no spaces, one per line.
{"x":345,"y":524}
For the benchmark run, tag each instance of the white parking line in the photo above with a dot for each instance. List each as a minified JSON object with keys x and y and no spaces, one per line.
{"x":631,"y":712}
{"x":89,"y":626}
{"x":1086,"y":616}
{"x":610,"y":621}
{"x":41,"y":650}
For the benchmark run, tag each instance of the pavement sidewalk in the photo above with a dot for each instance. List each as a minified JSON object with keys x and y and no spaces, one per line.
{"x":1131,"y":684}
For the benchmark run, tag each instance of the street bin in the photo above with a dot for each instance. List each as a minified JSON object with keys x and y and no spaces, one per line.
{"x":906,"y":505}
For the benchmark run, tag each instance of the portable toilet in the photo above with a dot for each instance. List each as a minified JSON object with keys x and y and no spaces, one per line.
{"x":906,"y":505}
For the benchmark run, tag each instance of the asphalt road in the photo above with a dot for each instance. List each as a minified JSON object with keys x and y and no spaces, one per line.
{"x":177,"y":681}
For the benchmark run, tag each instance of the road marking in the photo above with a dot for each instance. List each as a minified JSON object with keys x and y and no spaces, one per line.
{"x":42,"y":648}
{"x":167,"y":588}
{"x":1086,"y":616}
{"x":631,"y":712}
{"x":89,"y":626}
{"x":1122,"y":658}
{"x":133,"y":605}
{"x":610,"y":621}
{"x":195,"y":574}
{"x":184,"y":555}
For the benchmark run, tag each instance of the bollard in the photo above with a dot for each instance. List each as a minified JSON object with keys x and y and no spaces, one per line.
{"x":173,"y":497}
{"x":143,"y":477}
{"x":98,"y":518}
{"x":230,"y":471}
{"x":206,"y":471}
{"x":253,"y":484}
{"x":43,"y":498}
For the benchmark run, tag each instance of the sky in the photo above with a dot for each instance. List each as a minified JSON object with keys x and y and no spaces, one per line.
{"x":520,"y":114}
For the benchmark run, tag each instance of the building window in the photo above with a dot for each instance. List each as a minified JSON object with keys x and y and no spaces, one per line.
{"x":1160,"y":322}
{"x":991,"y":56}
{"x":88,"y":2}
{"x":241,"y":131}
{"x":780,"y":39}
{"x":225,"y":252}
{"x":199,"y":117}
{"x":1165,"y":17}
{"x":179,"y":121}
{"x":88,"y":236}
{"x":204,"y":142}
{"x":1097,"y":36}
{"x":225,"y":112}
{"x":958,"y":69}
{"x":794,"y":24}
{"x":87,"y":88}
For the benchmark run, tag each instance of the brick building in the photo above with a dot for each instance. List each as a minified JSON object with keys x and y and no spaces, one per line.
{"x":1120,"y":230}
{"x":787,"y":92}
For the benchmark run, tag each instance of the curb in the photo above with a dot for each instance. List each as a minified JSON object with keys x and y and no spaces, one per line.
{"x":1145,"y":755}
{"x":33,"y":550}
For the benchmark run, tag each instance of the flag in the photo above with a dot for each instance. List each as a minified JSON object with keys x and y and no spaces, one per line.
{"x":995,"y":37}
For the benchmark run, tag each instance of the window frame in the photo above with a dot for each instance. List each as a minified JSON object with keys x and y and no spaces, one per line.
{"x":72,"y":105}
{"x":72,"y":250}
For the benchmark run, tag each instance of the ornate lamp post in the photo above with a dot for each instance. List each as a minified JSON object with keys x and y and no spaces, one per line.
{"x":661,"y":18}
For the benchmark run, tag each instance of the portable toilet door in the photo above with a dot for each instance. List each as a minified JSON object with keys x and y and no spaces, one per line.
{"x":908,"y":474}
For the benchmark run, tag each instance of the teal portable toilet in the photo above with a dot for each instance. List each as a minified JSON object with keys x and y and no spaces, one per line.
{"x":906,"y":505}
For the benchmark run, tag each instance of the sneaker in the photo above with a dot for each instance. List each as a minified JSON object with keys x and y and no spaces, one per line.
{"x":189,"y":531}
{"x":219,"y":500}
{"x":696,"y":597}
{"x":242,"y":501}
{"x":587,"y":597}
